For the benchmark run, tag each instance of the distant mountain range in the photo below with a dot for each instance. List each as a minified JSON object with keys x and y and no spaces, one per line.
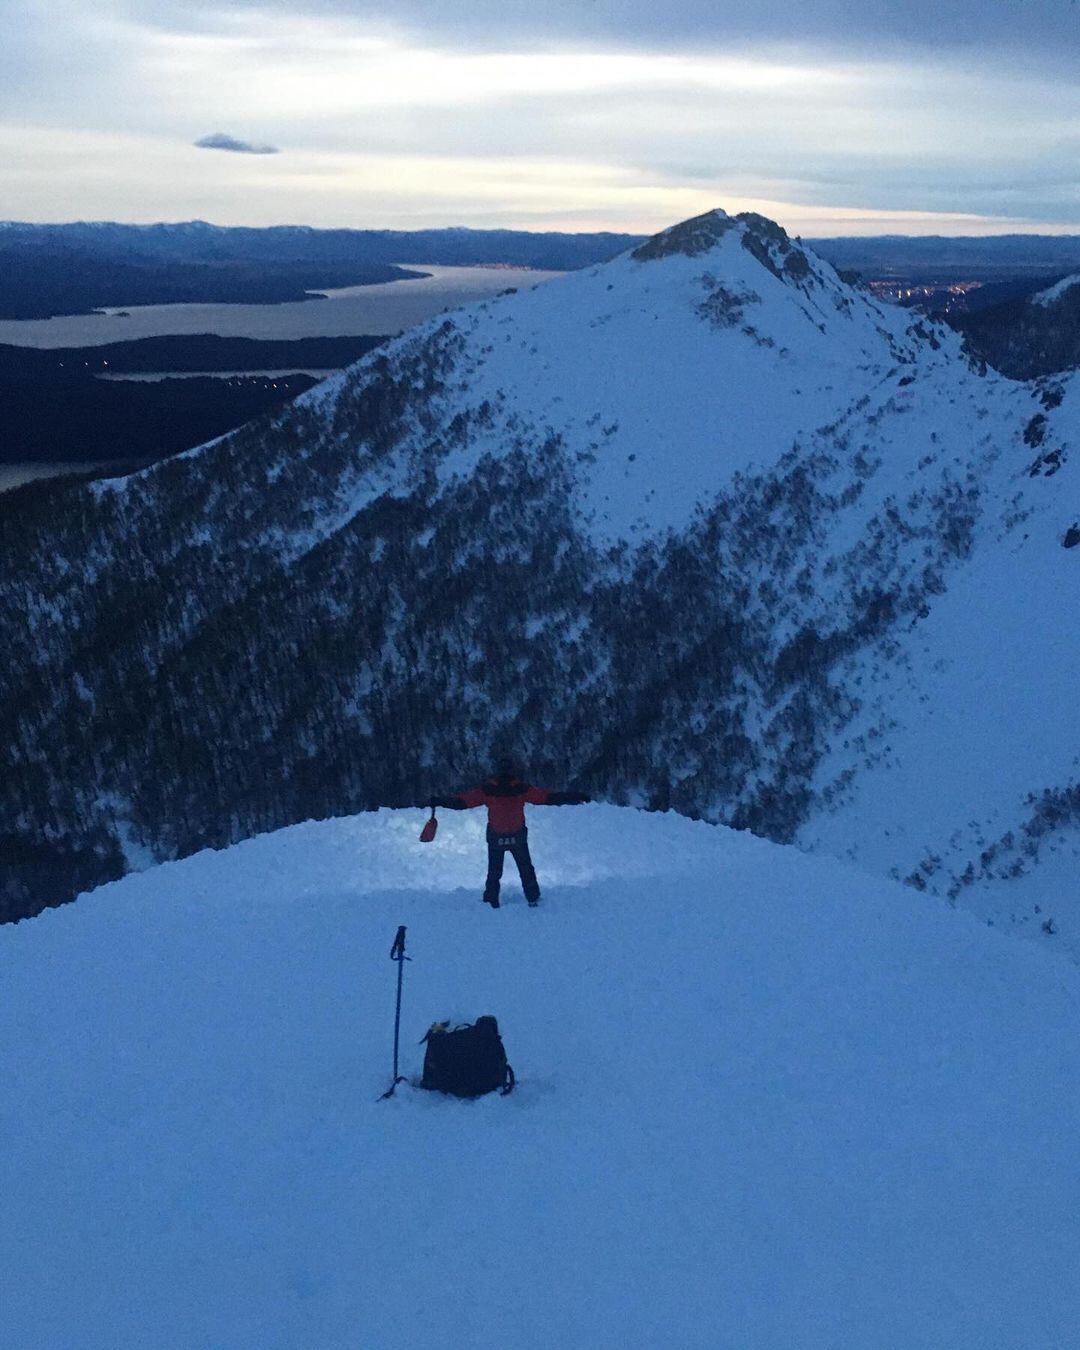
{"x":73,"y":268}
{"x":947,"y":258}
{"x":704,"y":528}
{"x":198,"y":241}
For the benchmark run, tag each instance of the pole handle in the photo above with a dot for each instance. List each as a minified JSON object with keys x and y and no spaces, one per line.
{"x":397,"y":951}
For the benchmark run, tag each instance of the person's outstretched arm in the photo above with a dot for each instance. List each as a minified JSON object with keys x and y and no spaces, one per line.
{"x":546,"y":797}
{"x":462,"y":802}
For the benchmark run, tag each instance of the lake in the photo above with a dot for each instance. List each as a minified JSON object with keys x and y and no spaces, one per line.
{"x":386,"y":308}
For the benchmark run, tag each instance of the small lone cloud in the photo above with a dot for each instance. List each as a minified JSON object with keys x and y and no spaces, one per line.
{"x":220,"y":141}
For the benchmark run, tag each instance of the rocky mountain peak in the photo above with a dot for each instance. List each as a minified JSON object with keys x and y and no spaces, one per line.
{"x":770,"y":244}
{"x":690,"y":238}
{"x":763,"y":238}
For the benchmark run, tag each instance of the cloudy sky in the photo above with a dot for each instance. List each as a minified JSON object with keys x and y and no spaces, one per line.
{"x":834,"y":116}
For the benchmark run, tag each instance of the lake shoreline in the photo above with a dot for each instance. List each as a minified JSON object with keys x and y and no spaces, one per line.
{"x":166,"y":378}
{"x":369,"y":310}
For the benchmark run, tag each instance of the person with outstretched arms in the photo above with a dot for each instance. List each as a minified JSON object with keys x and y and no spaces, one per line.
{"x":506,"y":794}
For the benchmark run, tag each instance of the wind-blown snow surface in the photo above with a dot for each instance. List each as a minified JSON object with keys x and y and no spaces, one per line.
{"x":764,"y":1102}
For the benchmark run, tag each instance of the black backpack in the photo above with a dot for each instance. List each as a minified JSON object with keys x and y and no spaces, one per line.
{"x":466,"y":1061}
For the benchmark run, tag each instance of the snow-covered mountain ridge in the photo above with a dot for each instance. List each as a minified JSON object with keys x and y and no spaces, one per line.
{"x":764,"y":1100}
{"x":702,"y":528}
{"x":701,"y":353}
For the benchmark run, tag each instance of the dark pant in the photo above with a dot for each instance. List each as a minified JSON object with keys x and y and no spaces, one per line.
{"x":499,"y":845}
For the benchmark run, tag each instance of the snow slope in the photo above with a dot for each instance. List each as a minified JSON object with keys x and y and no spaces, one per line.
{"x":668,"y":369}
{"x":764,"y":1101}
{"x":971,"y":717}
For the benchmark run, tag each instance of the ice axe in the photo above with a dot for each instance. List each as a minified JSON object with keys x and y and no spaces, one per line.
{"x":397,"y":953}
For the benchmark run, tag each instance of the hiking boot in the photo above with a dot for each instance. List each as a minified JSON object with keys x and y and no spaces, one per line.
{"x":534,"y":902}
{"x":493,"y":901}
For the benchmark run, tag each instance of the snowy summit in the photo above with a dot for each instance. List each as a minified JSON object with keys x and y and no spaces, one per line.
{"x":763,"y":1100}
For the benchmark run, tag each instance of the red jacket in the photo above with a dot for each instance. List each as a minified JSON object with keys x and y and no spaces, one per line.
{"x":505,"y":800}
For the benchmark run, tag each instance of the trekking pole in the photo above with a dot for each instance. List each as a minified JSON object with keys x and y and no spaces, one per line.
{"x":397,"y":953}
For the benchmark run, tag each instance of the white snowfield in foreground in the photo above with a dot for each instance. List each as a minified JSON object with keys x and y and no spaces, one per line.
{"x":765,"y":1102}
